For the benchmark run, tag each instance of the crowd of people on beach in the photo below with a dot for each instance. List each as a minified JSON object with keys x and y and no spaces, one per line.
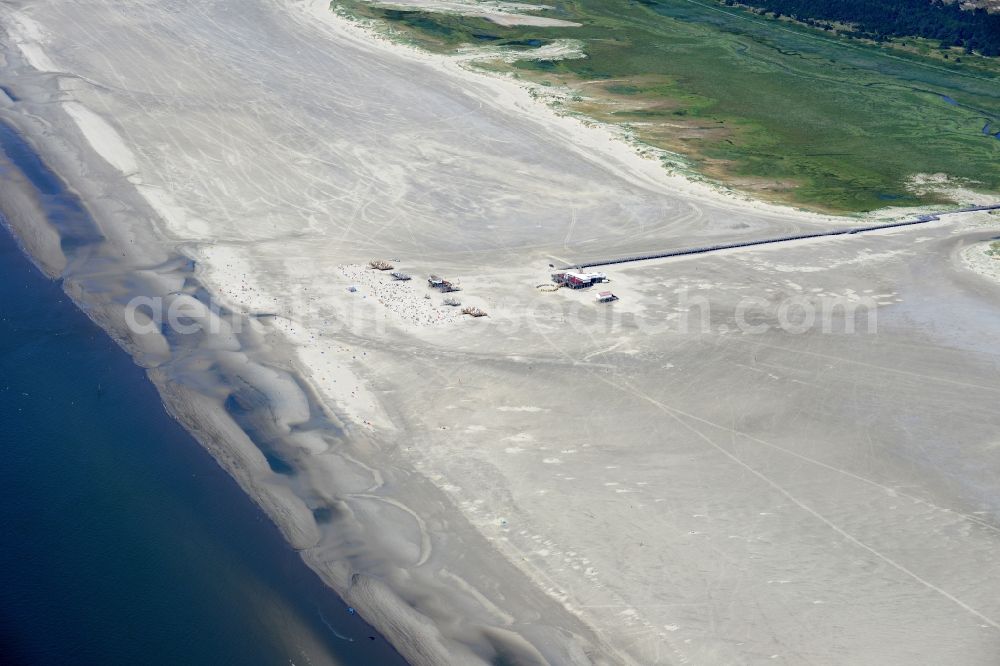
{"x":408,"y":301}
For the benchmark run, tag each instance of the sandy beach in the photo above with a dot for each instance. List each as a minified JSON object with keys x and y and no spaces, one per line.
{"x":560,"y":482}
{"x":982,"y":258}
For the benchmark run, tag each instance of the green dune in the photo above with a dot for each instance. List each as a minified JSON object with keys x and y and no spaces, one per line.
{"x":784,"y":111}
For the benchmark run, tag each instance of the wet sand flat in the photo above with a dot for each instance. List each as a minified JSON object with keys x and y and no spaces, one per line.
{"x":556,"y":483}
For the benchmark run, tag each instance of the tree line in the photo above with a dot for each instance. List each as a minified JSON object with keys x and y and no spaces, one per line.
{"x":974,"y":30}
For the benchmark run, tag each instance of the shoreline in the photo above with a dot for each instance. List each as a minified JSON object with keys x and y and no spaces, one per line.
{"x":89,"y":437}
{"x":212,"y":427}
{"x":159,"y":273}
{"x":379,"y":553}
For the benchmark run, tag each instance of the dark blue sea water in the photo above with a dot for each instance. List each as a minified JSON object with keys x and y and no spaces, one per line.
{"x":121,"y":540}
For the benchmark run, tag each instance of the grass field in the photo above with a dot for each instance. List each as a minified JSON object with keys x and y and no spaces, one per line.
{"x":783,"y":111}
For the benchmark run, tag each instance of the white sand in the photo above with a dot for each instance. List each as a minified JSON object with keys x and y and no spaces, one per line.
{"x":560,"y":481}
{"x":501,"y":13}
{"x":102,"y":138}
{"x":978,"y":258}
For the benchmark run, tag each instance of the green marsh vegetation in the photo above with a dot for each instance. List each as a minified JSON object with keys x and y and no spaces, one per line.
{"x":783,"y":111}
